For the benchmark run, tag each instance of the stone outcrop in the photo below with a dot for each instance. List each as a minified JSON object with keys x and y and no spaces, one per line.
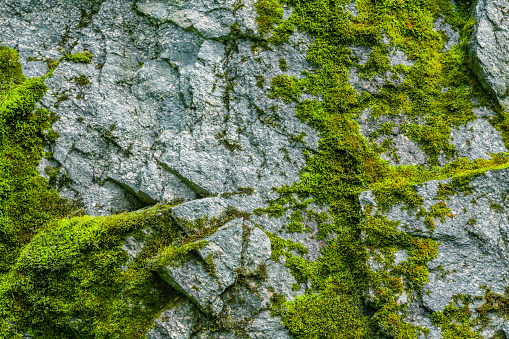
{"x":170,"y":108}
{"x":473,"y":251}
{"x":488,"y":46}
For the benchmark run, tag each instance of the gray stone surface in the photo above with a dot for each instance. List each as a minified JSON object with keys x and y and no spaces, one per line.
{"x":258,"y":249}
{"x":176,"y":322}
{"x":478,"y":139}
{"x":160,"y":119}
{"x":176,"y":110}
{"x":197,"y":209}
{"x":236,"y":248}
{"x":488,"y":46}
{"x":473,"y":248}
{"x":225,"y":248}
{"x":203,"y":281}
{"x":266,"y":327}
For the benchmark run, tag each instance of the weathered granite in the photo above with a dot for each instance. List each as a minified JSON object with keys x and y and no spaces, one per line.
{"x":176,"y":322}
{"x":488,"y":46}
{"x":203,"y":281}
{"x":172,"y":109}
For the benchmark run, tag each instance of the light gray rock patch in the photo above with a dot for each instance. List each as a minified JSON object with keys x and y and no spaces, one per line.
{"x":488,"y":46}
{"x":478,"y":139}
{"x":176,"y":322}
{"x":442,"y":26}
{"x":266,"y":327}
{"x":258,"y":249}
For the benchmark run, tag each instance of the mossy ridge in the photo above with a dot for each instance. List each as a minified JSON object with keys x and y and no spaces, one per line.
{"x":90,"y":288}
{"x":68,"y":281}
{"x":346,"y":164}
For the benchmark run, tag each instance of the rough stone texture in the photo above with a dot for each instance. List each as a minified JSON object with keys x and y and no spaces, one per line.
{"x":477,"y":139}
{"x":488,"y":46}
{"x":197,"y":209}
{"x":473,"y":245}
{"x":159,"y":119}
{"x":406,"y":151}
{"x":175,"y":111}
{"x":235,"y":248}
{"x":258,"y":249}
{"x":176,"y":322}
{"x":202,"y":283}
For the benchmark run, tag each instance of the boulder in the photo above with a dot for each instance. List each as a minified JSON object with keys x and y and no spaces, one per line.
{"x":488,"y":46}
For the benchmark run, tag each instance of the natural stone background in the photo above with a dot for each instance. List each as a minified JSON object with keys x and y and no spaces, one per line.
{"x":175,"y":108}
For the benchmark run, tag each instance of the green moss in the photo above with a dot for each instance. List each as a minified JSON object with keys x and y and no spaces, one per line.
{"x":324,"y":316}
{"x":283,"y":65}
{"x":82,"y":80}
{"x":242,"y":191}
{"x":76,"y":266}
{"x":455,"y":321}
{"x":61,"y":277}
{"x":281,"y":247}
{"x":269,"y":13}
{"x":285,"y":88}
{"x":283,"y":31}
{"x":27,"y":204}
{"x":260,"y":81}
{"x":80,"y":57}
{"x":230,"y":145}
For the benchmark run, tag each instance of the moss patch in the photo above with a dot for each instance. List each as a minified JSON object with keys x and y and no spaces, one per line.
{"x":80,"y":57}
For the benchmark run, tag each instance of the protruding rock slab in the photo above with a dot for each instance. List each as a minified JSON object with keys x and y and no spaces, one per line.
{"x":204,"y":280}
{"x":185,"y":214}
{"x":258,"y":250}
{"x":488,"y":46}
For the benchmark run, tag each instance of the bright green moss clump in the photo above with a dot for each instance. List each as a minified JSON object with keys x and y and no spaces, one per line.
{"x":80,"y":57}
{"x":68,"y":281}
{"x":27,"y":203}
{"x":314,"y":317}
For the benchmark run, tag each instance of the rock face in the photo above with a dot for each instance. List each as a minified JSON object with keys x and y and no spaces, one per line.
{"x":231,"y":278}
{"x":203,"y":282}
{"x":473,"y":251}
{"x":173,"y":108}
{"x":170,"y":108}
{"x":488,"y":46}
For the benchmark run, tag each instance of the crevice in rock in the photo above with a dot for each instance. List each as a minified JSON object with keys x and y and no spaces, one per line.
{"x":200,"y":191}
{"x":142,"y":196}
